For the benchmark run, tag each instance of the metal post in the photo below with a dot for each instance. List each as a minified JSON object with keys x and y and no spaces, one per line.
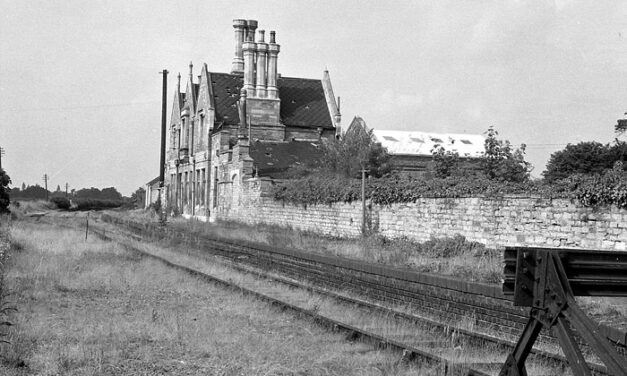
{"x":363,"y":201}
{"x":46,"y":185}
{"x":87,"y":226}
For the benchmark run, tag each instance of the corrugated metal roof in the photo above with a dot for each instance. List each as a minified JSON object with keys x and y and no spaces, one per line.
{"x":421,"y":143}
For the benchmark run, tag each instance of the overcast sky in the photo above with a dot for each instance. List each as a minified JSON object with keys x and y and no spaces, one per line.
{"x":80,"y":93}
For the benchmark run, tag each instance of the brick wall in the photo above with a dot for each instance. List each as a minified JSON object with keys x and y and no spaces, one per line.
{"x":496,"y":222}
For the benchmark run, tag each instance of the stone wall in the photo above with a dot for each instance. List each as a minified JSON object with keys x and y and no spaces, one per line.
{"x":496,"y":222}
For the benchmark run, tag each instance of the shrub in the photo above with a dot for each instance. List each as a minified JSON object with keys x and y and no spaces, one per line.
{"x":326,"y":189}
{"x":609,"y":188}
{"x":5,"y":200}
{"x":91,"y":204}
{"x":584,"y":158}
{"x":62,"y":203}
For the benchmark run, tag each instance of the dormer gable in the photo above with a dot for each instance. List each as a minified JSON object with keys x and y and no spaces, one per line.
{"x":204,"y":102}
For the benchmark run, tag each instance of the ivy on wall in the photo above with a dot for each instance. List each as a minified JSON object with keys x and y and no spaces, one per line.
{"x":606,"y":189}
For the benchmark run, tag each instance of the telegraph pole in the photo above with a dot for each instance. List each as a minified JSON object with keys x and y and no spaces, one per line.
{"x":163,"y":125}
{"x":46,"y":185}
{"x":66,"y":187}
{"x":363,"y":201}
{"x":1,"y":154}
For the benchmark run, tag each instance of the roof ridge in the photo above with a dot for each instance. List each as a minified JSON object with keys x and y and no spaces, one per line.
{"x":300,"y":78}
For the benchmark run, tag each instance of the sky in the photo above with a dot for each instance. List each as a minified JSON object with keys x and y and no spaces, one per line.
{"x":80,"y":89}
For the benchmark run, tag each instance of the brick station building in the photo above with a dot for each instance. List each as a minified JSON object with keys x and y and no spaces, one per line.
{"x":226,"y":127}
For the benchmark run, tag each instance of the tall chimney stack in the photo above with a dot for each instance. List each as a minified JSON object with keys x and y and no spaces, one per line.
{"x":273,"y":51}
{"x":262,"y":49}
{"x":249,"y":48}
{"x":241,"y":106}
{"x":238,"y":60}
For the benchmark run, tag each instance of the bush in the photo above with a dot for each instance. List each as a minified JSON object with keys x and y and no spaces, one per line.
{"x":62,"y":203}
{"x":609,"y":188}
{"x":5,"y":200}
{"x":326,"y":189}
{"x":91,"y":204}
{"x":584,"y":158}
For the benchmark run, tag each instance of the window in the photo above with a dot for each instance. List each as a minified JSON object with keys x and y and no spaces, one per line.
{"x":418,"y":140}
{"x":201,"y":136}
{"x":198,"y":193}
{"x":466,"y":142}
{"x":215,"y":187}
{"x":390,"y":138}
{"x":202,"y":187}
{"x":185,"y":192}
{"x":184,"y":131}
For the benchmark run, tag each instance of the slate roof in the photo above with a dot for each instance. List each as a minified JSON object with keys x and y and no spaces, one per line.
{"x":303,"y":103}
{"x":273,"y":159}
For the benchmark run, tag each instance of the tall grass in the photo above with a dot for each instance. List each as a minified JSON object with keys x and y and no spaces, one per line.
{"x":454,"y":256}
{"x":91,"y":307}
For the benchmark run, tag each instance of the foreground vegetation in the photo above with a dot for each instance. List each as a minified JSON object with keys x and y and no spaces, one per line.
{"x":90,"y":307}
{"x":454,"y":256}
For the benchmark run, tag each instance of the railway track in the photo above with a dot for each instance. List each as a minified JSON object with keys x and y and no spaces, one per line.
{"x":442,"y":365}
{"x":243,"y":257}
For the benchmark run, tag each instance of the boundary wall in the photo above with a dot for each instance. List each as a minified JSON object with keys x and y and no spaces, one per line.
{"x":495,"y":222}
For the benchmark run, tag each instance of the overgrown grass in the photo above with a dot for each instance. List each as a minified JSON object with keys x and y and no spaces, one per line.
{"x":453,"y":348}
{"x":5,"y":306}
{"x":94,"y":308}
{"x":454,"y":256}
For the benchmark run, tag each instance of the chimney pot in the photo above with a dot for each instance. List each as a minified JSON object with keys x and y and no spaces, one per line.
{"x":251,"y":26}
{"x":273,"y":51}
{"x":262,"y":36}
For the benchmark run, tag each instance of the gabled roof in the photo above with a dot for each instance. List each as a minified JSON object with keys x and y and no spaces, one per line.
{"x":273,"y":159}
{"x":303,"y":103}
{"x":154,"y":181}
{"x":226,"y":88}
{"x":421,"y":143}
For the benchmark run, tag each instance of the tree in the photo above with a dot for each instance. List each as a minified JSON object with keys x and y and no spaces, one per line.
{"x":58,"y":188}
{"x":5,"y":180}
{"x":23,"y":186}
{"x":589,"y":157}
{"x":138,"y":197}
{"x":355,"y":151}
{"x":445,"y":162}
{"x":501,"y":161}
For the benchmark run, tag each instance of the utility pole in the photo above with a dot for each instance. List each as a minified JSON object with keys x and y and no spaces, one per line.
{"x":66,"y":188}
{"x":363,"y":201}
{"x":163,"y":125}
{"x":1,"y":154}
{"x":46,"y":185}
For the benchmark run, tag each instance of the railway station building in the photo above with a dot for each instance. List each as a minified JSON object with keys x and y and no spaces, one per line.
{"x":230,"y":129}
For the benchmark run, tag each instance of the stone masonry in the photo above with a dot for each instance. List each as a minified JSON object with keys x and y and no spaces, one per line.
{"x":495,"y":222}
